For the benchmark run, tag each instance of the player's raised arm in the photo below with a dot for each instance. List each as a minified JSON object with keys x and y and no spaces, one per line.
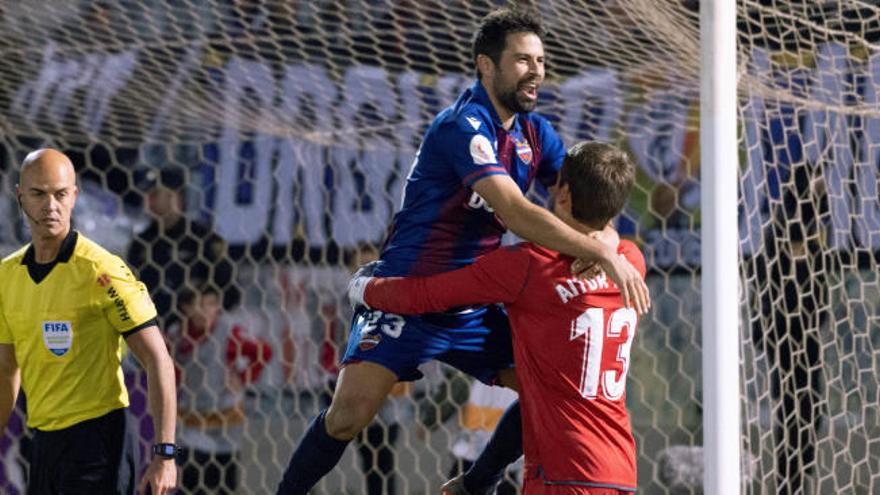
{"x":10,"y":379}
{"x":539,"y":225}
{"x":497,"y":277}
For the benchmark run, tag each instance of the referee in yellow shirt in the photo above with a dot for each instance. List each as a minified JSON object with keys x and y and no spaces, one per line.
{"x":65,"y":306}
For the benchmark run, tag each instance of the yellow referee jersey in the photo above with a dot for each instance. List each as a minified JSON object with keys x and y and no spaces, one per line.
{"x":66,"y":320}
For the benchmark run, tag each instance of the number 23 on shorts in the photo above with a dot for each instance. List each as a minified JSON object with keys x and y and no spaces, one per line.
{"x":389,"y":323}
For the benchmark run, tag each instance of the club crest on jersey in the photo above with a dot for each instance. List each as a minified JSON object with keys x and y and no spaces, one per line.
{"x":524,"y":151}
{"x":57,"y":336}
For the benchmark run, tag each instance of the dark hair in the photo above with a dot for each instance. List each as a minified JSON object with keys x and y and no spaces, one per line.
{"x":600,"y":177}
{"x":491,"y":38}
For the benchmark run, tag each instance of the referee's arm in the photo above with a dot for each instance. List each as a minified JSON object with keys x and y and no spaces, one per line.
{"x":149,"y":348}
{"x":10,"y":380}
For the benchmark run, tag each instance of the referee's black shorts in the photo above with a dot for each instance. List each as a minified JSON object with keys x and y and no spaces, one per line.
{"x":96,"y":456}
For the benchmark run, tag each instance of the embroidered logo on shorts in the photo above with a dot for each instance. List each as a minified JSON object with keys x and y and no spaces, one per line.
{"x":368,"y":341}
{"x":57,"y":336}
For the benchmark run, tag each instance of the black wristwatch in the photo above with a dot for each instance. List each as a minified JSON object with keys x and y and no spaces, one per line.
{"x":165,"y":450}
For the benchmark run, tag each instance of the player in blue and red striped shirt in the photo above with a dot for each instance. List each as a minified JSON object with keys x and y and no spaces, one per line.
{"x":465,"y":190}
{"x":445,"y":223}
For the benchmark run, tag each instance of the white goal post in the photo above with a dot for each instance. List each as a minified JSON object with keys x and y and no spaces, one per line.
{"x":720,"y":283}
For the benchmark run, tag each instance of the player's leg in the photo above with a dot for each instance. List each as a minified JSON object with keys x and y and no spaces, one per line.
{"x":491,"y":364}
{"x":455,"y":486}
{"x":459,"y":467}
{"x":360,"y":391}
{"x":503,"y":449}
{"x":382,"y":349}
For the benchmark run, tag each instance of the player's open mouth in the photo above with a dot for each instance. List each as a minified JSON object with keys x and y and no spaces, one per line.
{"x":529,"y":90}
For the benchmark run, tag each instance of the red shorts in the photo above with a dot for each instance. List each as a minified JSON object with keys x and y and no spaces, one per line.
{"x":536,"y":486}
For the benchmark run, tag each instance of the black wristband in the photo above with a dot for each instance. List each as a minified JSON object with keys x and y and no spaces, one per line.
{"x":165,"y":450}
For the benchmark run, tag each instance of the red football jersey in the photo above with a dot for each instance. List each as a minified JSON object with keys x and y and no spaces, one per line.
{"x":572,"y":341}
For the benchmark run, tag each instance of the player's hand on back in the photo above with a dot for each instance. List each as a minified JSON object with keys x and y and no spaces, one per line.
{"x":358,"y":284}
{"x":590,"y":269}
{"x":607,"y":236}
{"x":628,"y":280}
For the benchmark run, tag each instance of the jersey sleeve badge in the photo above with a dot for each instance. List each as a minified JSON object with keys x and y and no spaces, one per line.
{"x":481,"y":150}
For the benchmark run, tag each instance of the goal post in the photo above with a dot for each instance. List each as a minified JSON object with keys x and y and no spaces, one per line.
{"x":720,"y":166}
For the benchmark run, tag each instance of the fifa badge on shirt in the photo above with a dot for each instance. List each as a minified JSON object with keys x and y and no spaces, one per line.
{"x":57,"y":336}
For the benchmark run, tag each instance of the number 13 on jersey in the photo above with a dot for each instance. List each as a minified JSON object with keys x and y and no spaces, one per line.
{"x":591,"y":324}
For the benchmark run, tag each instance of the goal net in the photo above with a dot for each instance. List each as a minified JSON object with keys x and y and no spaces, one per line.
{"x":289,"y":127}
{"x":810,"y":231}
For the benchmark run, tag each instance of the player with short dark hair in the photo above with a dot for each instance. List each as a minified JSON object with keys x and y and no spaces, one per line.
{"x":465,"y":190}
{"x":607,"y":181}
{"x":571,"y":337}
{"x":491,"y":38}
{"x":66,"y":305}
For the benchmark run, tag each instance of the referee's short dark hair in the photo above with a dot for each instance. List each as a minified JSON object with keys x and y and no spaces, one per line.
{"x":600,"y":177}
{"x":491,"y":37}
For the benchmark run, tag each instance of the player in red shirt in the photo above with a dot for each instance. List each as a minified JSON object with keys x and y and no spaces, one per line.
{"x":571,"y":337}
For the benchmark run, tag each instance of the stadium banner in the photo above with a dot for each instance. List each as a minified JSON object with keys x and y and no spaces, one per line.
{"x":342,"y":179}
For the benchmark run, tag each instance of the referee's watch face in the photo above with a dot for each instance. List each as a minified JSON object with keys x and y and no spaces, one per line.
{"x":47,"y":193}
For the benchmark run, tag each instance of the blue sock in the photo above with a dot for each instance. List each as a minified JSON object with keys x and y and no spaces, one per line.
{"x":504,"y":448}
{"x":315,"y":456}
